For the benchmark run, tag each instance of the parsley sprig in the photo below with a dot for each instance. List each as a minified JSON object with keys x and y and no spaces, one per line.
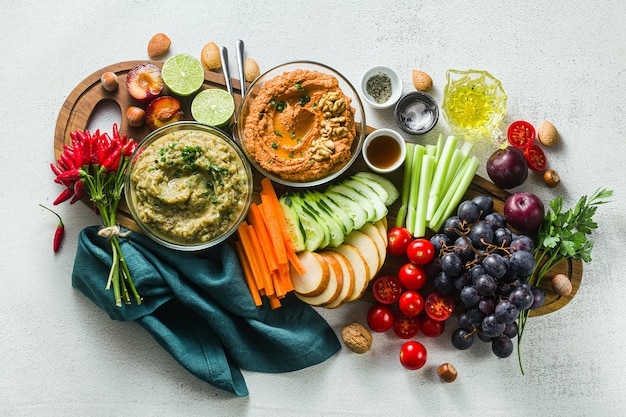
{"x":563,"y":235}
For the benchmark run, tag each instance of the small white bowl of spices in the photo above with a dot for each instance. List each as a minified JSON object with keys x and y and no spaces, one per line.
{"x":381,"y":86}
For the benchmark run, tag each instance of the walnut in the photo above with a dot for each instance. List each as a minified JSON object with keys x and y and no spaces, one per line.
{"x":356,"y":337}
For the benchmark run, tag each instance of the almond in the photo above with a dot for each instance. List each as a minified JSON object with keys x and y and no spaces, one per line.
{"x":210,"y":56}
{"x":251,"y":69}
{"x":547,"y":134}
{"x":422,"y":81}
{"x":158,"y":45}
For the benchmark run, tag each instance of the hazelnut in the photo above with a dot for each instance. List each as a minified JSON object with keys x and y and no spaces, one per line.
{"x":447,"y":372}
{"x":561,"y":284}
{"x":551,"y":178}
{"x":251,"y":70}
{"x":356,"y":337}
{"x":109,"y":81}
{"x":547,"y":134}
{"x":158,"y":45}
{"x":135,"y":116}
{"x":210,"y":56}
{"x":422,"y":81}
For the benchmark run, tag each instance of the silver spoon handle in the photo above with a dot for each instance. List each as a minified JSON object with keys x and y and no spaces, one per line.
{"x":240,"y":62}
{"x":224,"y":56}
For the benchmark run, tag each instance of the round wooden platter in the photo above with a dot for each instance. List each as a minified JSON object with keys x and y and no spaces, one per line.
{"x":83,"y":103}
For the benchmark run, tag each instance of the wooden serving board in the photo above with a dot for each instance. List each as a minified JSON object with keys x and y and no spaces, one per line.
{"x":84,"y":101}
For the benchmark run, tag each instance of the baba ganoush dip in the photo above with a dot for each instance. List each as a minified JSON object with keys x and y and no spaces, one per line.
{"x":189,"y":186}
{"x":300,"y":126}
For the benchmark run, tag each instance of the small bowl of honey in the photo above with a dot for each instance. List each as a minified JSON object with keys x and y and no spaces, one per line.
{"x":384,"y":151}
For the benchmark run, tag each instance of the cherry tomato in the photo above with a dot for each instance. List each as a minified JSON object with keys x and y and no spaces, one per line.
{"x":439,"y":306}
{"x":411,"y":303}
{"x":420,"y":251}
{"x":399,"y":239}
{"x":386,"y":289}
{"x":413,"y":355}
{"x":412,"y":277}
{"x":535,"y":158}
{"x":406,"y":327}
{"x":380,"y":318}
{"x":430,"y":327}
{"x":521,"y":134}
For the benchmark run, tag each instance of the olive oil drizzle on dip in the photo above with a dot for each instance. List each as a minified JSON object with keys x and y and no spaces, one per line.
{"x":189,"y":186}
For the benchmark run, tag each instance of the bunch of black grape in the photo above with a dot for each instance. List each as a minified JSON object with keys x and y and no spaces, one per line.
{"x":486,"y":266}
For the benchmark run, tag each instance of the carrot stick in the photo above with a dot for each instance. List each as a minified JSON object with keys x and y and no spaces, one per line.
{"x":274,"y":301}
{"x":273,"y":227}
{"x":255,"y":218}
{"x":248,"y":248}
{"x":260,"y":257}
{"x":271,"y":199}
{"x":247,"y":272}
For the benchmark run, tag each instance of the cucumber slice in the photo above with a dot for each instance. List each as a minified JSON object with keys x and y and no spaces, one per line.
{"x":356,"y":197}
{"x":372,"y":196}
{"x":293,"y":223}
{"x":329,"y":206}
{"x":356,"y":212}
{"x":391,"y":189}
{"x":317,"y":231}
{"x":379,"y":189}
{"x":334,"y":228}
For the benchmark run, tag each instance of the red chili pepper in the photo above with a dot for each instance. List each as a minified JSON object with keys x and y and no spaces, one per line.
{"x":66,"y":162}
{"x":129,"y":148}
{"x":59,"y":232}
{"x":112,"y":161}
{"x":65,"y":195}
{"x":57,"y":171}
{"x":71,"y":175}
{"x":79,"y":191}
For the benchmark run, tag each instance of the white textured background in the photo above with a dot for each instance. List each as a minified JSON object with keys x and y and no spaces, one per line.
{"x":562,"y":61}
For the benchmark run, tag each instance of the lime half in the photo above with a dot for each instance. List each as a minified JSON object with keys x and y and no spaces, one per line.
{"x":213,"y":106}
{"x":183,"y":74}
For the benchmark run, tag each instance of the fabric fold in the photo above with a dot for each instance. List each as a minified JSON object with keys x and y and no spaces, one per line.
{"x":198,"y":307}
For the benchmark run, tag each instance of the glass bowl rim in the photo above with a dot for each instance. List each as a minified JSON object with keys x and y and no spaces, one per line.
{"x":182,"y":125}
{"x":359,"y":137}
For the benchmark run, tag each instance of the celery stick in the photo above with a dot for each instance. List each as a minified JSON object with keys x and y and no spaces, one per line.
{"x":455,"y":193}
{"x":406,"y":184}
{"x":431,"y":150}
{"x":416,"y":170}
{"x":462,"y":154}
{"x":439,"y":147}
{"x":436,"y":187}
{"x":428,"y":169}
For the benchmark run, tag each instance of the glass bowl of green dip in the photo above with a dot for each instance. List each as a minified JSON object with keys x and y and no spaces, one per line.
{"x":188,"y":186}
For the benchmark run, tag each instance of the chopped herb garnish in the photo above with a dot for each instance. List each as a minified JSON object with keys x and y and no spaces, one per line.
{"x":277,"y":133}
{"x":304,"y":99}
{"x":299,"y":86}
{"x":274,"y":145}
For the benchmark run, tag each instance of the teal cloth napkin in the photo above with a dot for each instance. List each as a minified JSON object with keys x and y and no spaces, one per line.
{"x":199,"y":309}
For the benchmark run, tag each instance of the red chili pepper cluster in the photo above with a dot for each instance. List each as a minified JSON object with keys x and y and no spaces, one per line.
{"x":96,"y":151}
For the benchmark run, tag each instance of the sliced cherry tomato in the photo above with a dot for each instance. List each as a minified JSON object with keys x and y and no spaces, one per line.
{"x":399,"y":239}
{"x":412,"y":276}
{"x":411,"y":303}
{"x":380,"y":318}
{"x":386,"y":289}
{"x":406,"y":327}
{"x":535,"y":158}
{"x":430,"y":327}
{"x":413,"y":355}
{"x":420,"y":251}
{"x":521,"y":134}
{"x":439,"y":306}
